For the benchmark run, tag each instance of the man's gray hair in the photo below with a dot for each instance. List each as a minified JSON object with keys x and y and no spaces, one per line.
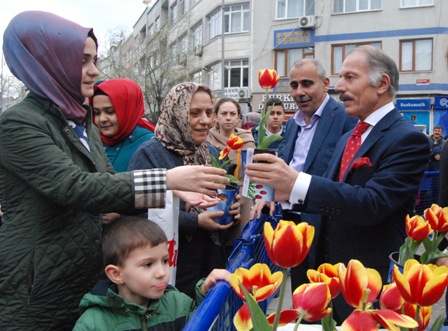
{"x":380,"y":64}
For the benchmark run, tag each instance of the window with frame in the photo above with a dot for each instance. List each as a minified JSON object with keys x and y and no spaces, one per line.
{"x":157,"y":24}
{"x":285,"y":58}
{"x":416,"y":3}
{"x":416,"y":55}
{"x":214,"y":77}
{"x":197,"y":35}
{"x":174,"y":13}
{"x":184,"y":7}
{"x":339,"y":52}
{"x":214,"y":24}
{"x":236,"y":18}
{"x":236,"y":73}
{"x":198,"y":77}
{"x":350,"y":6}
{"x":294,"y":8}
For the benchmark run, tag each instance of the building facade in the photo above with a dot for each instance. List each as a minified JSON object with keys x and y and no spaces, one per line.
{"x":275,"y":33}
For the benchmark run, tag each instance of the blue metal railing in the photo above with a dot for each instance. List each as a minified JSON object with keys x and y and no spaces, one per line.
{"x":221,"y":303}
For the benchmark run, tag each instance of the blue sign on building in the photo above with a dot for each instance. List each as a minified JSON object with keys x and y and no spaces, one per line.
{"x":441,"y":103}
{"x":413,"y":104}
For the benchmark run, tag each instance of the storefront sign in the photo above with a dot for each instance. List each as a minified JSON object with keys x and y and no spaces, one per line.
{"x":413,"y":104}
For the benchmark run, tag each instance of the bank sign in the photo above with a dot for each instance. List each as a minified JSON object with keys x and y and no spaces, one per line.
{"x":413,"y":104}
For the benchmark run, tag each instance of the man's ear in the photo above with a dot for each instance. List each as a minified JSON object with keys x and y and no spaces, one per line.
{"x":384,"y":84}
{"x":114,"y":274}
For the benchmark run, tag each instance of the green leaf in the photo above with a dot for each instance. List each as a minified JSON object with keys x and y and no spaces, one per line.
{"x":437,"y":326}
{"x":259,"y":320}
{"x":269,"y":140}
{"x":233,"y":179}
{"x":215,"y":162}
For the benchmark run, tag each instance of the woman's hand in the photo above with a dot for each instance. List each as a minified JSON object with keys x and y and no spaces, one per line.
{"x":197,"y":199}
{"x":255,"y":211}
{"x":206,"y":221}
{"x":235,"y":209}
{"x":200,"y":179}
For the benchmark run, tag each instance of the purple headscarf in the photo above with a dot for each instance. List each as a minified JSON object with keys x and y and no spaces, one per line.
{"x":45,"y":52}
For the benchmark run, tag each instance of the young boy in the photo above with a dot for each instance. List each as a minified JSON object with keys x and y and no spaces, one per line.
{"x":135,"y":253}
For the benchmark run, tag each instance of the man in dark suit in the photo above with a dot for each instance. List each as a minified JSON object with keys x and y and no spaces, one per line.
{"x":364,"y":211}
{"x":310,"y":138}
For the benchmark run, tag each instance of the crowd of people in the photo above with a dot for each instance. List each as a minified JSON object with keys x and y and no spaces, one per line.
{"x":83,"y":166}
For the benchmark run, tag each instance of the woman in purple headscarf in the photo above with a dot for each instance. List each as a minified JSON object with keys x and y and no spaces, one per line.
{"x":55,"y":178}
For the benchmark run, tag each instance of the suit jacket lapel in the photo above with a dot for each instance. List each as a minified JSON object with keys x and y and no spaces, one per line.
{"x":325,"y":122}
{"x":377,"y":133}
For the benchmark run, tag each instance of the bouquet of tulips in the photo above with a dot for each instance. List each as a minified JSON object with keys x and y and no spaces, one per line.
{"x":404,"y":304}
{"x":428,"y":231}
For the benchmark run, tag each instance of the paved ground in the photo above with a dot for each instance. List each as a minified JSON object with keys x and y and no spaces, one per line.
{"x":437,"y":310}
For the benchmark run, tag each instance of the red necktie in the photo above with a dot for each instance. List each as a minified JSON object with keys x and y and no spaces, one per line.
{"x":353,"y":143}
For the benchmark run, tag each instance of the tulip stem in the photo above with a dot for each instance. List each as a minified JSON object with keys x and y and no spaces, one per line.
{"x":296,"y":326}
{"x":417,"y":315}
{"x":280,"y":300}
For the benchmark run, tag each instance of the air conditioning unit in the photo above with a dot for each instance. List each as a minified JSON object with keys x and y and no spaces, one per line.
{"x":244,"y":93}
{"x":307,"y":22}
{"x":198,"y":50}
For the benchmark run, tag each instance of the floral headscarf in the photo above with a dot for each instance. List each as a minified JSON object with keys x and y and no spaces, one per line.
{"x":127,"y":99}
{"x":173,"y":128}
{"x":45,"y":52}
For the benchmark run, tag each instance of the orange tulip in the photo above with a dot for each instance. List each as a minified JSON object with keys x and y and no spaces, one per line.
{"x":289,"y":244}
{"x":417,"y":228}
{"x":328,"y":274}
{"x":286,"y":316}
{"x":437,"y":218}
{"x":258,"y":281}
{"x":356,"y":280}
{"x":267,"y":78}
{"x":311,"y":301}
{"x":421,"y":284}
{"x":234,"y":142}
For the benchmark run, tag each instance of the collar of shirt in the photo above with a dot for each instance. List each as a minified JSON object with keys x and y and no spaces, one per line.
{"x":376,"y":116}
{"x":268,"y":133}
{"x":299,"y":117}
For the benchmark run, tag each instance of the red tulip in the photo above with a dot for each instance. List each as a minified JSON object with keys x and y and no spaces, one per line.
{"x":234,"y":142}
{"x":417,"y":228}
{"x":328,"y":274}
{"x":311,"y":301}
{"x":424,"y":316}
{"x":267,"y":78}
{"x":437,"y":218}
{"x":391,"y":298}
{"x":421,"y":284}
{"x":356,"y":280}
{"x":258,"y":281}
{"x":289,"y":244}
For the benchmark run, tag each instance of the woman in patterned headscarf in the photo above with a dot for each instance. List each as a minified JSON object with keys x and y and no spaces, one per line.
{"x":180,"y":139}
{"x":55,"y":179}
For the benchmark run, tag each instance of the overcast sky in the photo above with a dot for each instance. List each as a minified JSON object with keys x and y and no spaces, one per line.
{"x":103,"y":15}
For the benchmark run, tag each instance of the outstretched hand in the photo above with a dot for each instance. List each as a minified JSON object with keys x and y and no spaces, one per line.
{"x":199,"y":179}
{"x":197,"y":199}
{"x":206,"y":221}
{"x":255,"y":211}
